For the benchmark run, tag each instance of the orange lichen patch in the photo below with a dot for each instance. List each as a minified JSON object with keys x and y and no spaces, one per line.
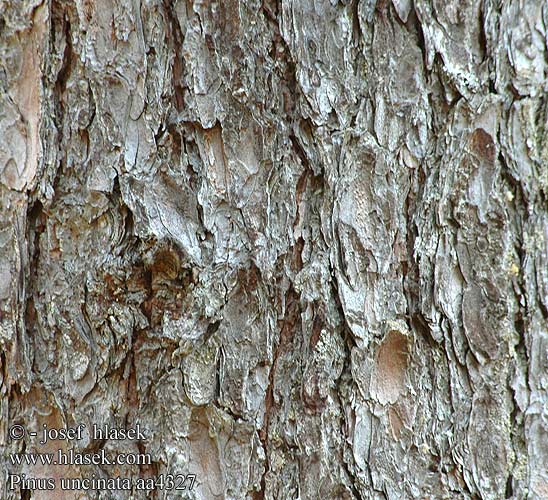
{"x":388,"y":381}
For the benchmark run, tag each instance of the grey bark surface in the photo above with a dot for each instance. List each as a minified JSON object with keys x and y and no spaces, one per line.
{"x":303,"y":243}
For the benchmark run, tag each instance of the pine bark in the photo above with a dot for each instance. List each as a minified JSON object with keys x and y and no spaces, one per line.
{"x":303,"y":243}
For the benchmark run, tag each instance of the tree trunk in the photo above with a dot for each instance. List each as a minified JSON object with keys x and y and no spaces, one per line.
{"x":302,"y":244}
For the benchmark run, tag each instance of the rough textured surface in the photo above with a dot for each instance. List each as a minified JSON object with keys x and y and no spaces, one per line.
{"x":304,"y":243}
